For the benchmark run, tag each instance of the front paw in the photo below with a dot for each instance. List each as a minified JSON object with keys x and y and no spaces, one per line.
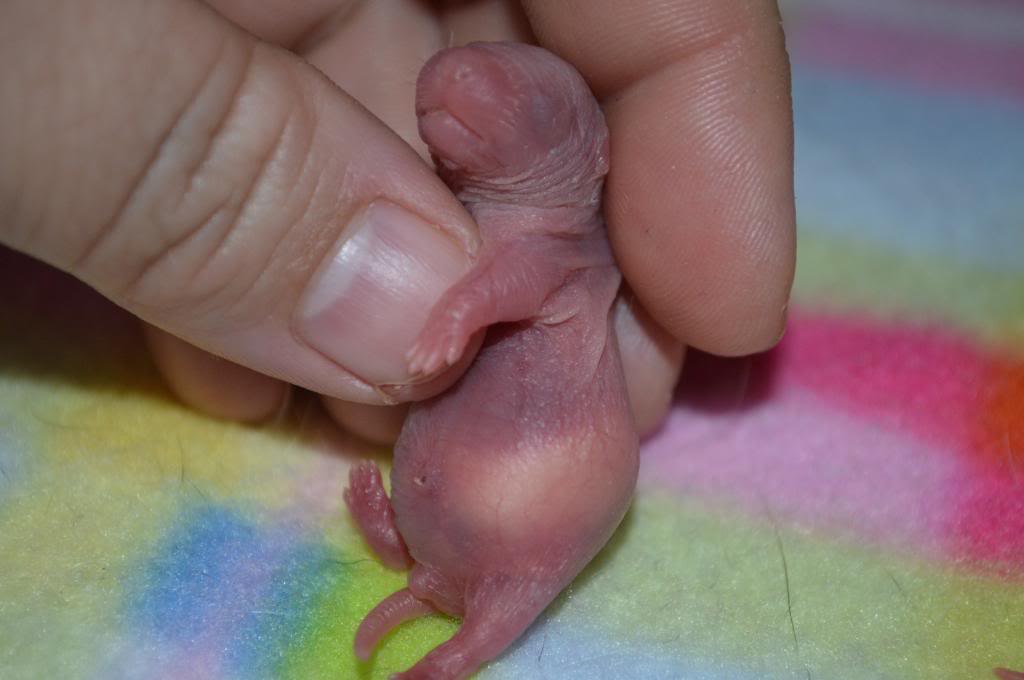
{"x":440,"y":345}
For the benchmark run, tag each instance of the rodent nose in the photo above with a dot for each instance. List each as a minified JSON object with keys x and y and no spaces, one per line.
{"x":466,"y":101}
{"x":462,"y":80}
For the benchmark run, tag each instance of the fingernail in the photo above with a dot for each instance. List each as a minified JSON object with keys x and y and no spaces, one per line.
{"x":368,"y":302}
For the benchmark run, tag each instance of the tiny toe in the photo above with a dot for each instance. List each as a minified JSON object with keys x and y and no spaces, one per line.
{"x":435,"y":360}
{"x":418,"y":361}
{"x":363,"y":476}
{"x":427,"y":361}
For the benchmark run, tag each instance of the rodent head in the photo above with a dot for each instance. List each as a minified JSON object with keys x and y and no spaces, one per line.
{"x":500,"y":125}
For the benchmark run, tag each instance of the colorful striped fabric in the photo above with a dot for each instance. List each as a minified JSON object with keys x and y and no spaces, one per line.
{"x":850,"y":505}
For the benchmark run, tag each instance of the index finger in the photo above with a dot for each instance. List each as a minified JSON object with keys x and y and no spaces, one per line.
{"x":699,"y":199}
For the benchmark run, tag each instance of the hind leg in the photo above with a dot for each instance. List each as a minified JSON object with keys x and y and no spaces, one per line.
{"x":476,"y":642}
{"x":498,"y":611}
{"x":371,"y":509}
{"x":431,"y":585}
{"x":1007,"y":674}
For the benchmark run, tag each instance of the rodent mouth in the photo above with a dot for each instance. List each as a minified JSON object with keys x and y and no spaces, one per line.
{"x":456,"y":145}
{"x":436,"y":111}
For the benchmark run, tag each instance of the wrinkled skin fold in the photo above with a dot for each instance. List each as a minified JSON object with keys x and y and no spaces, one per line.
{"x":508,"y":484}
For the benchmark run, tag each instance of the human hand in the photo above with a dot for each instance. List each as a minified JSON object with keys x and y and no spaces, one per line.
{"x":221,"y":188}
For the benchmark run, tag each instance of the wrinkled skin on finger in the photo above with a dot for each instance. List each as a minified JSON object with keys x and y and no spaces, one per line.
{"x":699,"y":213}
{"x":714,"y":270}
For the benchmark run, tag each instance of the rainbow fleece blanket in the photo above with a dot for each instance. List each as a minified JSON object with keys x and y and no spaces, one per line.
{"x":850,"y":505}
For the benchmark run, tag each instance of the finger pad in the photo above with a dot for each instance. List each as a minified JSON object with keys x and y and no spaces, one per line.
{"x":700,"y":203}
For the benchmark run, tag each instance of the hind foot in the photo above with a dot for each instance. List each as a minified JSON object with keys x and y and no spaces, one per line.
{"x":371,"y":509}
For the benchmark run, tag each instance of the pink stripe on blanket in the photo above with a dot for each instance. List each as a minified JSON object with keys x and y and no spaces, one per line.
{"x":923,"y":380}
{"x":986,"y":522}
{"x":794,"y":456}
{"x":931,"y":60}
{"x":897,"y":434}
{"x":1012,"y":5}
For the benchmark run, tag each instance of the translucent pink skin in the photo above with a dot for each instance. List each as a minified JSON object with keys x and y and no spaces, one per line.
{"x":508,"y":484}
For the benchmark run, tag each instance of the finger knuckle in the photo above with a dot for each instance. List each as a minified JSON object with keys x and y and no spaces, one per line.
{"x":226,"y":195}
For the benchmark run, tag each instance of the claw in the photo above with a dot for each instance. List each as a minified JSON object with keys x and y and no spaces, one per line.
{"x":429,"y":356}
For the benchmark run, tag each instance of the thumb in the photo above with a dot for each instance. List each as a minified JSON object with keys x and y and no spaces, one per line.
{"x":223,"y":190}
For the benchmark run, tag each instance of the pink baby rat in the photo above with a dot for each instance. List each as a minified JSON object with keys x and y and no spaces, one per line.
{"x":508,"y":484}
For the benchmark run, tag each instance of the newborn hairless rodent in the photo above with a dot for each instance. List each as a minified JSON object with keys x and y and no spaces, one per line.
{"x":508,"y":484}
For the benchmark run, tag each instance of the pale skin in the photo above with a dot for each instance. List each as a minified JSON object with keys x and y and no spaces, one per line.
{"x":505,"y":486}
{"x":196,"y":168}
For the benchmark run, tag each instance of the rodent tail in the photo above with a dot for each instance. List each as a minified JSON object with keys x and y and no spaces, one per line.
{"x":393,"y":611}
